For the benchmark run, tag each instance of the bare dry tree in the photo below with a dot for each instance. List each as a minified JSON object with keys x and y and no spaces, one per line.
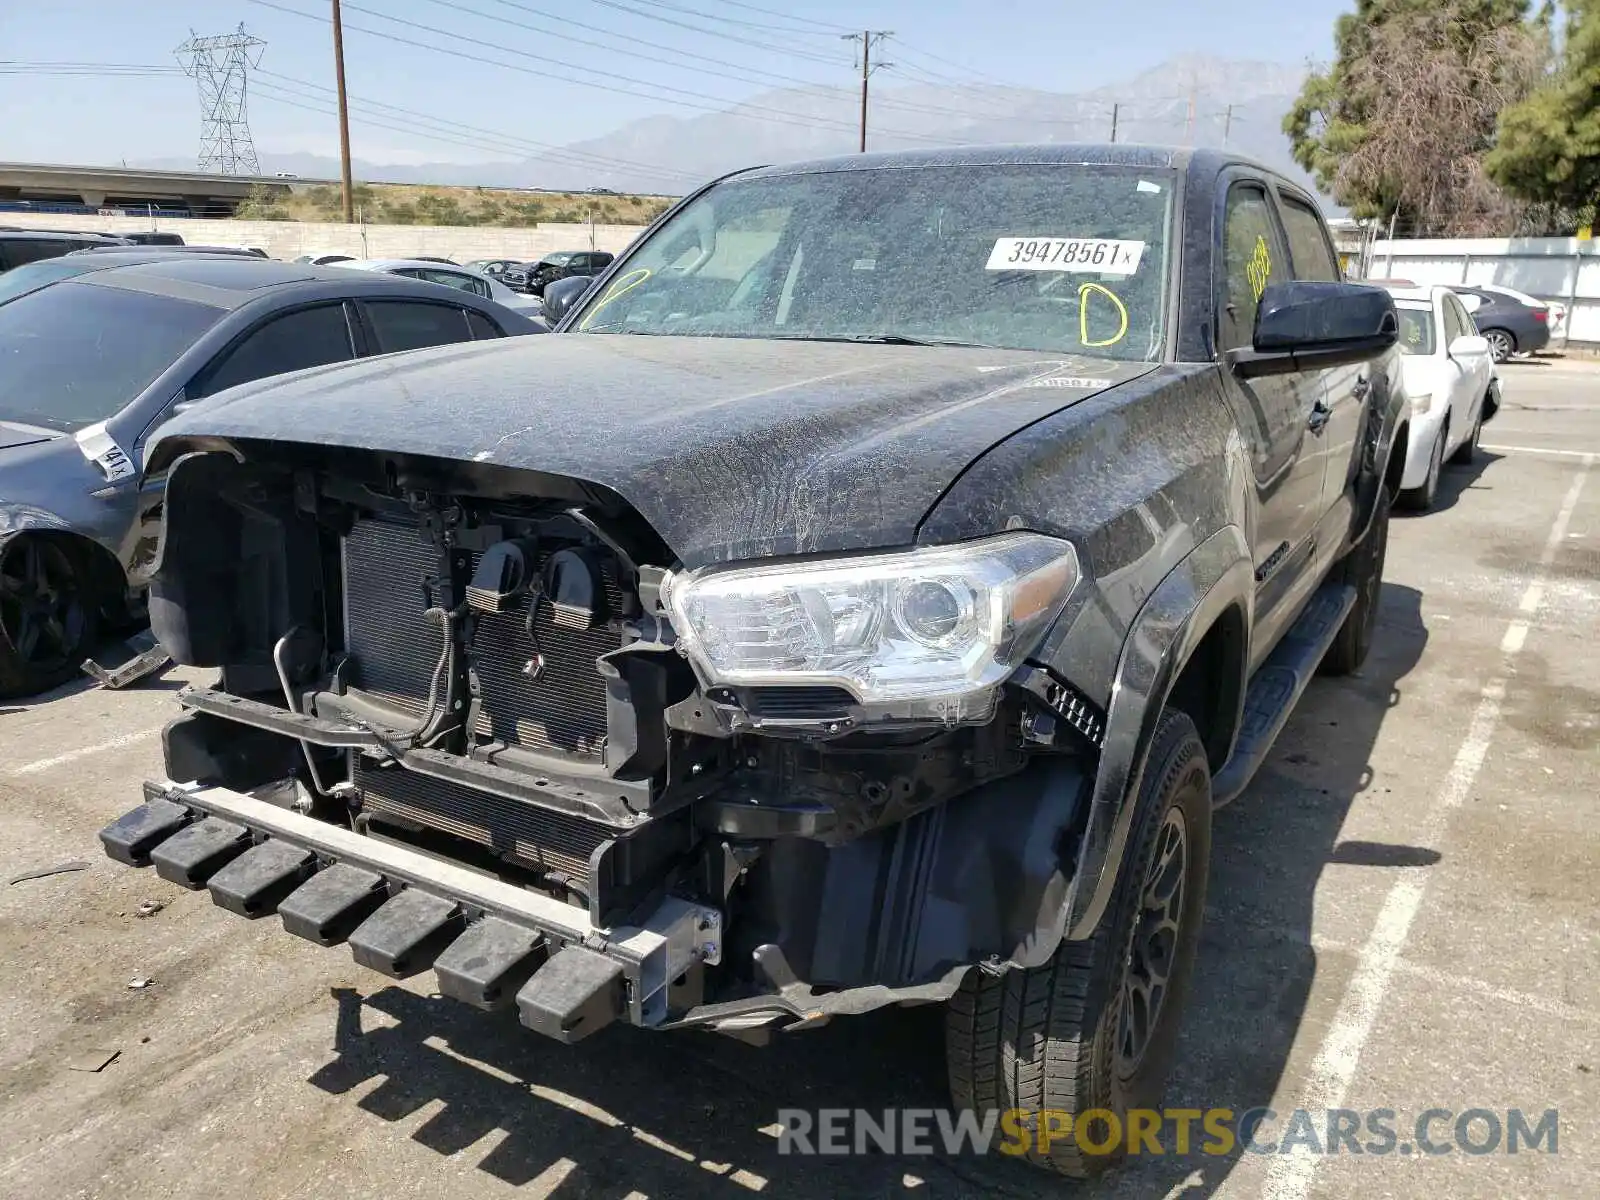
{"x":1436,"y":94}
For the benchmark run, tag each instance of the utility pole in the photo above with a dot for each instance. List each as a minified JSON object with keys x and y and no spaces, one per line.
{"x":1188,"y":124}
{"x":867,"y":37}
{"x":344,"y":117}
{"x":1115,"y":109}
{"x":1227,"y":124}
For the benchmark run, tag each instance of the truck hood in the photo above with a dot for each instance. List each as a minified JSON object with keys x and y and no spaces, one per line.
{"x":730,"y":447}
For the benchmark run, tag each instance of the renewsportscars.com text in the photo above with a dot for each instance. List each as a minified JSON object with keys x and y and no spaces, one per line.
{"x":1174,"y":1131}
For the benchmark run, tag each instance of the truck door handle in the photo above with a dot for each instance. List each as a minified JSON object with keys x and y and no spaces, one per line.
{"x":1320,"y":412}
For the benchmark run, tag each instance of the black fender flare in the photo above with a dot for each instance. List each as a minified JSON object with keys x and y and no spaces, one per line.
{"x":1214,"y":576}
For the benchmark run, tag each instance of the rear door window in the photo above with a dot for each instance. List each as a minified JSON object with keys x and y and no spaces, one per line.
{"x":1308,"y":243}
{"x":415,"y":324}
{"x":310,"y":337}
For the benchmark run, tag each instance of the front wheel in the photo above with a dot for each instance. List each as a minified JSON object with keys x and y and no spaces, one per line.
{"x":47,"y":614}
{"x":1095,"y":1027}
{"x":1467,"y":452}
{"x":1420,"y":499}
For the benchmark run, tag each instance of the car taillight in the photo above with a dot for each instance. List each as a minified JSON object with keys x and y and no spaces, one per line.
{"x":1541,"y":314}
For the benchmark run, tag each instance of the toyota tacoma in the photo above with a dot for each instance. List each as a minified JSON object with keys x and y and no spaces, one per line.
{"x":864,"y":598}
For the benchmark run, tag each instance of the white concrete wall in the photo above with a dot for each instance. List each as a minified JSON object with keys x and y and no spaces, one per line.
{"x":1565,"y":270}
{"x":290,"y":239}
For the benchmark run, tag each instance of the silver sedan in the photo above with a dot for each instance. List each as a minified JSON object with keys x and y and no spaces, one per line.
{"x":459,"y":278}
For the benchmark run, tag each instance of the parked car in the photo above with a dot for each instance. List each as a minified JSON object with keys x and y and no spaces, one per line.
{"x":459,"y":278}
{"x":493,"y":267}
{"x":230,"y":251}
{"x":95,"y":352}
{"x":532,"y":278}
{"x":881,"y":628}
{"x":1558,"y":311}
{"x":153,"y":238}
{"x":325,"y":260}
{"x":19,"y":249}
{"x":449,"y":262}
{"x":1451,"y":382}
{"x":1512,"y":325}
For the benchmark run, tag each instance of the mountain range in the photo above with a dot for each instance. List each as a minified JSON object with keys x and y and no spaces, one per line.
{"x":1192,"y":99}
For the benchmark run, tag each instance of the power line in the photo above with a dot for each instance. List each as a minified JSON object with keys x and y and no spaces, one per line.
{"x":631,"y":44}
{"x":220,"y":67}
{"x":771,"y":114}
{"x":487,"y":139}
{"x":791,"y":51}
{"x":766,"y":27}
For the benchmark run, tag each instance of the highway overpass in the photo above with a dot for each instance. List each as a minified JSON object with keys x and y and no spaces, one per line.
{"x":130,"y":188}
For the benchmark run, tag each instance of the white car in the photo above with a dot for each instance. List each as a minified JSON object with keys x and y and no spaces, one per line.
{"x":1451,"y":381}
{"x":456,"y":277}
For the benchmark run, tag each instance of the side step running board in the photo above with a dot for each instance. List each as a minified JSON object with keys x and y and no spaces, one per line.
{"x":1278,"y":686}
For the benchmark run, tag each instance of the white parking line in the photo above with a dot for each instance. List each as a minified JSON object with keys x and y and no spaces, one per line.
{"x":57,"y":760}
{"x":1289,"y":1175}
{"x":1539,"y":450}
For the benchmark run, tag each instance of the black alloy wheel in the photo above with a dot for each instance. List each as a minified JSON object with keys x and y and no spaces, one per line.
{"x":47,"y":617}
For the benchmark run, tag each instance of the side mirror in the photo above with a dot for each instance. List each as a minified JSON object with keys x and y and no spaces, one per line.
{"x":562,"y":295}
{"x":1308,"y":326}
{"x":1467,"y":345}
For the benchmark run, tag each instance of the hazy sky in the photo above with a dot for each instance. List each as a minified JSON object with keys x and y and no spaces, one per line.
{"x":644,"y":45}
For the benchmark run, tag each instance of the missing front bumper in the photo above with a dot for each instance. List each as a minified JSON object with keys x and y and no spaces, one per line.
{"x":491,"y":944}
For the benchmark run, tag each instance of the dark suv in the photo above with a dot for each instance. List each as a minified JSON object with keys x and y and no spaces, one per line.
{"x":1512,"y":326}
{"x":562,"y":264}
{"x":31,"y":246}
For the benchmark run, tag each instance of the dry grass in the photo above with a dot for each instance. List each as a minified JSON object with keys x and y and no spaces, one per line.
{"x":427,"y":204}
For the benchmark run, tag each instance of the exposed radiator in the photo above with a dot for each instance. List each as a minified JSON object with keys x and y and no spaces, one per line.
{"x":395,"y":651}
{"x":520,"y":831}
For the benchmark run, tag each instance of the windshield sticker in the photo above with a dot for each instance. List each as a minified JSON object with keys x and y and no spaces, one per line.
{"x":864,"y":264}
{"x":1105,"y":256}
{"x":1084,"y":293}
{"x":100,"y":448}
{"x":1146,"y":186}
{"x":1259,"y":269}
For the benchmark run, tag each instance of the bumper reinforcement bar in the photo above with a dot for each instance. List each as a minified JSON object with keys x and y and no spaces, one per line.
{"x":490,"y":943}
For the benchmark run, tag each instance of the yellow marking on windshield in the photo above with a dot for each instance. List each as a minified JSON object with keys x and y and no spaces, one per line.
{"x":618,"y":289}
{"x":1083,"y":314}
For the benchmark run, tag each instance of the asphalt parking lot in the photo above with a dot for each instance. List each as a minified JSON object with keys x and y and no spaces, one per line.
{"x":1405,"y":915}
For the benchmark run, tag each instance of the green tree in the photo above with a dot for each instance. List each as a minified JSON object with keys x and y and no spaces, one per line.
{"x":1402,"y":119}
{"x":1548,"y":151}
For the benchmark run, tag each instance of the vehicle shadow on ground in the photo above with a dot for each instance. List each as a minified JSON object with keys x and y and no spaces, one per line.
{"x":682,"y":1115}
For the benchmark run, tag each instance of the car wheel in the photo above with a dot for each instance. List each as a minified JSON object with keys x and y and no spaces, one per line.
{"x":1467,"y":452}
{"x":1501,"y":344}
{"x":1362,"y":569}
{"x":1420,"y":499}
{"x":1095,"y":1028}
{"x":48,"y":614}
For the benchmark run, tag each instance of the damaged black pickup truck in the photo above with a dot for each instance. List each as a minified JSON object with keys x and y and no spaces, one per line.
{"x":863,"y":599}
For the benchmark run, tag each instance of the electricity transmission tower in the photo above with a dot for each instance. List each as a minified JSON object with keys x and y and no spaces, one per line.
{"x":220,"y":66}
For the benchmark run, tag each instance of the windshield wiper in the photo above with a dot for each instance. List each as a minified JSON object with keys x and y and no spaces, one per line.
{"x":881,"y":339}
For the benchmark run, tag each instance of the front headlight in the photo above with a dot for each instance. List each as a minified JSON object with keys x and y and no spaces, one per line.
{"x":935,"y":623}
